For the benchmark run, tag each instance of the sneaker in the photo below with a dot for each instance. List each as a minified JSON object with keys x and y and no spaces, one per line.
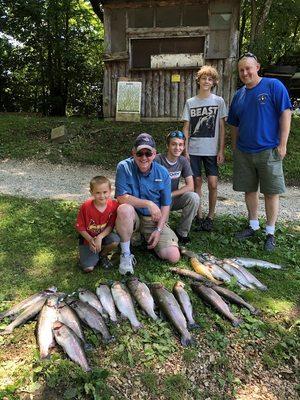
{"x":270,"y":243}
{"x":105,"y":262}
{"x":245,"y":234}
{"x":126,"y":264}
{"x":207,"y":225}
{"x":199,"y":224}
{"x":183,"y":239}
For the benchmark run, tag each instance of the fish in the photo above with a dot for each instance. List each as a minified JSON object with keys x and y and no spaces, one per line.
{"x":46,"y":319}
{"x":234,"y":298}
{"x":71,"y":344}
{"x":124,"y":304}
{"x":142,"y":295}
{"x":212,"y":297}
{"x":92,"y":318}
{"x":203,"y":270}
{"x":251,"y":262}
{"x":27,"y":302}
{"x":217,"y":271}
{"x":184,"y":301}
{"x":89,"y":297}
{"x":29,"y":313}
{"x":187,"y":253}
{"x":67,"y":316}
{"x":241,"y":278}
{"x":250,"y":277}
{"x":104,"y":294}
{"x":167,"y":303}
{"x":188,"y":273}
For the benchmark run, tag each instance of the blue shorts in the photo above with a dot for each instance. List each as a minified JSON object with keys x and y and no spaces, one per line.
{"x":209,"y":162}
{"x":90,"y":259}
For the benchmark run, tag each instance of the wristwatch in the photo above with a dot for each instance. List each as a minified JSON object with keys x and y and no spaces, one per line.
{"x":158,"y":229}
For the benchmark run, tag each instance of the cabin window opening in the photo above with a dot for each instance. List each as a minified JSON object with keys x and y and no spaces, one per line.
{"x":143,"y":49}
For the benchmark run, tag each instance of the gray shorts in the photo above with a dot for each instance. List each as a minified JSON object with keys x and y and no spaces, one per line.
{"x":90,"y":259}
{"x":263,"y":169}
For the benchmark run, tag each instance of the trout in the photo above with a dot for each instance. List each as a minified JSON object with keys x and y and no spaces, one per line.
{"x":212,"y":297}
{"x":171,"y":309}
{"x":124,"y":304}
{"x":46,"y":319}
{"x":71,"y":344}
{"x":27,"y":302}
{"x":185,"y":303}
{"x":203,"y":270}
{"x":142,"y":295}
{"x":104,"y":294}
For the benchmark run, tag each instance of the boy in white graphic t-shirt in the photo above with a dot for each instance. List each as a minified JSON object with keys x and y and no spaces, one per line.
{"x":204,"y":128}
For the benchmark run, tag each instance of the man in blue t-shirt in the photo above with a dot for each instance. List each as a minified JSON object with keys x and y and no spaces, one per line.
{"x":143,"y":189}
{"x":260,"y":115}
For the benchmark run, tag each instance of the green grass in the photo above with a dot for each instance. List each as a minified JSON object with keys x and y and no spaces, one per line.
{"x":38,"y":249}
{"x":24,"y":136}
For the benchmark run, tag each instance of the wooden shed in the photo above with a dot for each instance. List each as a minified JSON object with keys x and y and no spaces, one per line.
{"x":163,"y":44}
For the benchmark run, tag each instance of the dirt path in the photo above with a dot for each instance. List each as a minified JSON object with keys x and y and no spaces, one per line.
{"x":70,"y":182}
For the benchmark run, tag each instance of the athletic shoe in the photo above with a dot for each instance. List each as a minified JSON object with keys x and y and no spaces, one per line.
{"x":245,"y":234}
{"x":270,"y":243}
{"x":105,"y":262}
{"x":207,"y":225}
{"x":199,"y":224}
{"x":183,"y":239}
{"x":126,"y":264}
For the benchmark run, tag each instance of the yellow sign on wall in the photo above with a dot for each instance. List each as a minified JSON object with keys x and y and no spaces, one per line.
{"x":175,"y":78}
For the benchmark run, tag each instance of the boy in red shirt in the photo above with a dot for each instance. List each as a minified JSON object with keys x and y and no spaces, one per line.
{"x":95,"y":223}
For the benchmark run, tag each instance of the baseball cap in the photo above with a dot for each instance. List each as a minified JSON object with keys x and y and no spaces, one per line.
{"x":144,"y":141}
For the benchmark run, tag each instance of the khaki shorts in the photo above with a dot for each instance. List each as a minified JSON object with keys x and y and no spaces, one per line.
{"x":263,"y":169}
{"x":145,"y":226}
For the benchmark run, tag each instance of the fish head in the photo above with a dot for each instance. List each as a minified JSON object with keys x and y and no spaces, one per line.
{"x":179,"y":284}
{"x":51,"y":289}
{"x":52,"y":301}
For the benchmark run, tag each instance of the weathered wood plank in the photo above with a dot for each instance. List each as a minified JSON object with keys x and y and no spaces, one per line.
{"x":174,"y":96}
{"x":155,"y":91}
{"x":161,"y":94}
{"x":167,"y":93}
{"x":148,"y":94}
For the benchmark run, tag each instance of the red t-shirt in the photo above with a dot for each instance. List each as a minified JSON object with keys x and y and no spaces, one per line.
{"x":92,"y":220}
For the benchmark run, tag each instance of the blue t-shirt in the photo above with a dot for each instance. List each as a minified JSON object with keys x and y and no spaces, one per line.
{"x":256,"y":113}
{"x":154,"y":185}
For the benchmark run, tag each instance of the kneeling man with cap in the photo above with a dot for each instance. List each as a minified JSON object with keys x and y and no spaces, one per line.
{"x":143,"y":189}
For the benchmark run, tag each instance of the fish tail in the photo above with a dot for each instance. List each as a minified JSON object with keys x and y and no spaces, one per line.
{"x":193,"y":325}
{"x":137,"y":327}
{"x":186,"y":341}
{"x":237,"y":322}
{"x":87,"y":346}
{"x":109,"y":339}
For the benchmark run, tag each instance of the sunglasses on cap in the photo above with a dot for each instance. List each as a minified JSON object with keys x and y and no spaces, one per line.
{"x":176,"y":134}
{"x":141,"y":153}
{"x":248,"y":54}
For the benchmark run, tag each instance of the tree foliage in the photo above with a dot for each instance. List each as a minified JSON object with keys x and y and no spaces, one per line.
{"x":57,"y":65}
{"x":270,"y":29}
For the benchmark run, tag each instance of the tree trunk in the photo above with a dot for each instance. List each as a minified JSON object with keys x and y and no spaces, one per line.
{"x":258,"y":23}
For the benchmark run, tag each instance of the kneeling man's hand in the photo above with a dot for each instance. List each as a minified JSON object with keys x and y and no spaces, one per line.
{"x":153,"y":239}
{"x":154,"y":211}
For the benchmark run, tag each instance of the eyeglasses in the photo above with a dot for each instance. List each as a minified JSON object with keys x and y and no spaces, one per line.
{"x":176,"y":134}
{"x":248,"y":54}
{"x":146,"y":153}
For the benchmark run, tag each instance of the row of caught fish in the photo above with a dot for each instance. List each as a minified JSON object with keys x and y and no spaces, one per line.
{"x":218,"y":271}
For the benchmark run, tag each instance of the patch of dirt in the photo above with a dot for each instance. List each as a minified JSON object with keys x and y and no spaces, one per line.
{"x":40,"y":179}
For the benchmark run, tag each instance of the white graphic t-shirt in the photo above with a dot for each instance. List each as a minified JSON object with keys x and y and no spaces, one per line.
{"x":204,"y":117}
